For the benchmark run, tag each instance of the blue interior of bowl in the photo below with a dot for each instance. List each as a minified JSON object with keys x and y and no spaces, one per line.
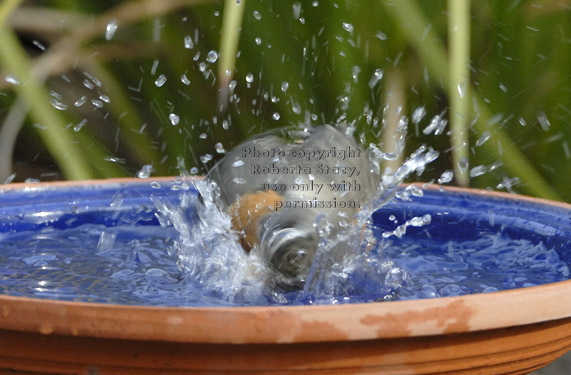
{"x":456,"y":216}
{"x":469,"y":215}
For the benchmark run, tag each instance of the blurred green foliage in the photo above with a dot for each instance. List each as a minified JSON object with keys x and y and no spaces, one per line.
{"x":298,"y":62}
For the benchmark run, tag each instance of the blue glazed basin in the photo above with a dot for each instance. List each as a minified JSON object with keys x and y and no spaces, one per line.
{"x":507,"y":332}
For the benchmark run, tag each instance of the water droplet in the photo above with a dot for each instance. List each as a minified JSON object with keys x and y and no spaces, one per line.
{"x":418,"y":114}
{"x":375,"y":78}
{"x":114,"y":159}
{"x":276,"y":116}
{"x":483,"y":138}
{"x":463,"y":164}
{"x":348,"y":27}
{"x":249,"y":78}
{"x":161,"y":80}
{"x":238,"y":163}
{"x":521,"y":121}
{"x":88,"y":84}
{"x":97,"y":103}
{"x":390,"y":156}
{"x":437,"y":124}
{"x":38,"y":44}
{"x":461,"y":89}
{"x":80,"y":125}
{"x":296,"y":108}
{"x":495,"y":119}
{"x":239,"y":180}
{"x":58,"y":105}
{"x":202,"y":136}
{"x":381,"y":35}
{"x":10,"y":179}
{"x":110,"y":29}
{"x":188,"y":44}
{"x":154,"y":66}
{"x":478,"y":170}
{"x":174,"y":119}
{"x":219,"y":148}
{"x":155,"y":185}
{"x":81,"y":101}
{"x":11,"y":79}
{"x":495,"y":166}
{"x":566,"y":149}
{"x":105,"y":98}
{"x":212,"y":56}
{"x":285,"y":86}
{"x":258,"y":41}
{"x":296,"y":10}
{"x":194,"y":170}
{"x":257,"y":15}
{"x":206,"y":158}
{"x":355,"y":73}
{"x":508,"y":183}
{"x":145,"y":171}
{"x":543,"y":121}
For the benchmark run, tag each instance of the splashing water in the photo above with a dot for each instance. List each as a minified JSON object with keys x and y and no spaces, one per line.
{"x":208,"y":250}
{"x":210,"y":253}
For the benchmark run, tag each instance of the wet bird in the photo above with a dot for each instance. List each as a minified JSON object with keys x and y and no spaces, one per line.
{"x":287,"y":188}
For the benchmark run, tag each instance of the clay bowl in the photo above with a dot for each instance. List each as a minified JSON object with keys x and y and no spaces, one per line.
{"x":508,"y":332}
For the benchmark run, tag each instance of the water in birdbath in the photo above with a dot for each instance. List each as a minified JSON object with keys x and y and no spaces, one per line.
{"x":199,"y":252}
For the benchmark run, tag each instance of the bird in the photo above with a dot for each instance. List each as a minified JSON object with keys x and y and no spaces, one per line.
{"x":287,"y":188}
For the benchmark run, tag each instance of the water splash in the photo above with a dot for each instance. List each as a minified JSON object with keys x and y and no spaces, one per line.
{"x":208,"y":249}
{"x":210,"y":252}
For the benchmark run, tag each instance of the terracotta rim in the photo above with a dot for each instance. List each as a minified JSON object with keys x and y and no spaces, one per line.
{"x":288,"y":324}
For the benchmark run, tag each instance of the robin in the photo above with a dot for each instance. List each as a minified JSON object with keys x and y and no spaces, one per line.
{"x":287,"y":188}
